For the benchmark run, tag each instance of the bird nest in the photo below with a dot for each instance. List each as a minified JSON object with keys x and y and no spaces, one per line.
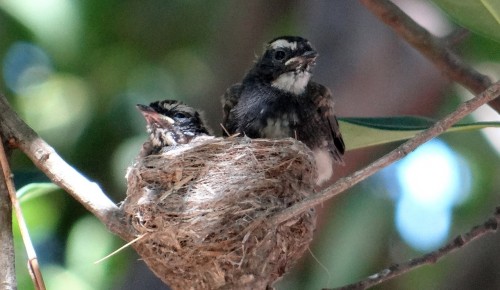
{"x":203,"y":211}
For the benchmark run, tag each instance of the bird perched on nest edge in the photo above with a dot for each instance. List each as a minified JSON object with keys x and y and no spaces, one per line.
{"x":277,"y":99}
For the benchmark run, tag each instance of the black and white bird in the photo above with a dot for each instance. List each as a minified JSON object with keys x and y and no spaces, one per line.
{"x":277,"y":99}
{"x":171,"y":123}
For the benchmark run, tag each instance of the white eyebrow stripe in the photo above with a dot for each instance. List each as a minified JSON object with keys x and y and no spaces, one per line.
{"x":283,"y":43}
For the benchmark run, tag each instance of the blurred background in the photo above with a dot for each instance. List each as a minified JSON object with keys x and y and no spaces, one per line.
{"x":74,"y":71}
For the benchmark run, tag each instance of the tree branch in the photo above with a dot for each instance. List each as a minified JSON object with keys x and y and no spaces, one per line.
{"x":7,"y":260}
{"x":347,"y":182}
{"x":88,"y":193}
{"x":92,"y":197}
{"x":490,"y":226}
{"x":33,"y":266}
{"x":433,"y":48}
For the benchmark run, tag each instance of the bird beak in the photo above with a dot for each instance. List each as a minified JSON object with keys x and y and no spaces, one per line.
{"x":302,"y":62}
{"x":154,"y":118}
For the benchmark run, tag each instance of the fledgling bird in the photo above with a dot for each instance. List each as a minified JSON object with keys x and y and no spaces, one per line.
{"x":277,"y":99}
{"x":171,"y":123}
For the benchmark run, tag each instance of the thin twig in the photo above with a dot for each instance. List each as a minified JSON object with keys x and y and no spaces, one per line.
{"x":88,"y":193}
{"x":490,"y":226}
{"x":344,"y":183}
{"x":435,"y":49}
{"x":34,"y":269}
{"x":7,"y":260}
{"x":94,"y":199}
{"x":120,"y":249}
{"x":347,"y":182}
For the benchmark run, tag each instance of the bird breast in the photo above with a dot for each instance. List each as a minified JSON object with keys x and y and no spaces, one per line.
{"x":294,"y":82}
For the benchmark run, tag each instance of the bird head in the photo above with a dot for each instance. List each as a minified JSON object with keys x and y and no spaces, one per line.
{"x":171,"y":122}
{"x":287,"y":63}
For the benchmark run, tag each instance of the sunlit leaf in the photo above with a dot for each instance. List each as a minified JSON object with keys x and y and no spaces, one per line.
{"x":480,"y":16}
{"x":43,"y":216}
{"x":34,"y":190}
{"x":493,"y":7}
{"x":365,"y":132}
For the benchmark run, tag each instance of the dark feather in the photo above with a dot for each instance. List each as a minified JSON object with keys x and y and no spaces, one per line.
{"x":229,"y":101}
{"x":323,"y":99}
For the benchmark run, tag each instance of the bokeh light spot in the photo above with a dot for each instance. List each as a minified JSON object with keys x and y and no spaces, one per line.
{"x":432,"y":180}
{"x":430,"y":175}
{"x":422,"y":228}
{"x":58,"y":109}
{"x":25,"y":65}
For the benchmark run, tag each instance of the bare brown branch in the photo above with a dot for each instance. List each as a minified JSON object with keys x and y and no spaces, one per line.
{"x":435,"y":49}
{"x":7,"y":265}
{"x":36,"y":274}
{"x":488,"y":227}
{"x":88,"y":193}
{"x":347,"y":182}
{"x":91,"y":196}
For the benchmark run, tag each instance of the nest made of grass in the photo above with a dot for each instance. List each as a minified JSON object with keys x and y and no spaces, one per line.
{"x":202,"y":209}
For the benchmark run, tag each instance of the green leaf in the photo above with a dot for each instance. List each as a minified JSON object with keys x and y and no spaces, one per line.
{"x":34,"y":190}
{"x":480,"y":16}
{"x":364,"y":132}
{"x":493,"y":6}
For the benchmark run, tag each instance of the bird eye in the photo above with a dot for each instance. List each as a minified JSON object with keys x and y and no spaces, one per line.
{"x":279,"y":54}
{"x":179,"y":115}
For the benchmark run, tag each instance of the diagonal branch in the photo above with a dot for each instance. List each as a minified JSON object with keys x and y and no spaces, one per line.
{"x":490,"y":226}
{"x":347,"y":182}
{"x":433,"y":48}
{"x":92,"y":197}
{"x":88,"y":193}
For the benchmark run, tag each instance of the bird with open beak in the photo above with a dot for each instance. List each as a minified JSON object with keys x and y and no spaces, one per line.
{"x":170,"y":123}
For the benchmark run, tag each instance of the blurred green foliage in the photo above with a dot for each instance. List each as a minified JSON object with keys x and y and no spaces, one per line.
{"x":480,"y":16}
{"x":107,"y":56}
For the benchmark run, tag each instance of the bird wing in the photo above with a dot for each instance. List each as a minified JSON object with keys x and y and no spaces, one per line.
{"x":229,"y":101}
{"x":323,"y":99}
